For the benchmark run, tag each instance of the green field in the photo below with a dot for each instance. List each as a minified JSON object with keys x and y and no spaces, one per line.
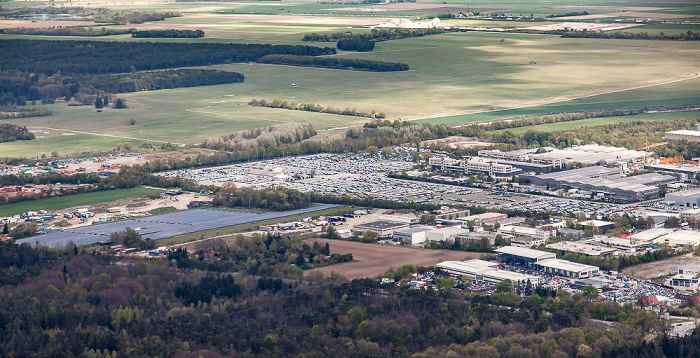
{"x":70,"y":201}
{"x":474,"y":72}
{"x":591,"y":122}
{"x":454,"y":78}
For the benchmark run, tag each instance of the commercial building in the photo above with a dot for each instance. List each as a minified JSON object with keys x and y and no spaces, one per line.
{"x":411,"y":236}
{"x":484,"y":271}
{"x":540,"y":233}
{"x":686,"y":239}
{"x":690,"y":215}
{"x":522,"y":256}
{"x":575,"y":234}
{"x":381,"y":228}
{"x":473,"y":165}
{"x":526,"y":241}
{"x":485,"y":218}
{"x":683,"y":134}
{"x":582,"y":248}
{"x":687,"y":278}
{"x":593,"y":154}
{"x":445,"y":234}
{"x":686,"y":198}
{"x":478,"y":236}
{"x":527,"y":159}
{"x":599,"y":225}
{"x":401,"y":219}
{"x":567,"y":268}
{"x":606,"y":181}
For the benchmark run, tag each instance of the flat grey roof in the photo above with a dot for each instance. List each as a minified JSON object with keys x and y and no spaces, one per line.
{"x":382,"y":225}
{"x":524,"y":252}
{"x":161,"y":226}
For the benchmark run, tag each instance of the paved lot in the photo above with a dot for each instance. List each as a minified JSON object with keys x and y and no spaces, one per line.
{"x":371,"y":260}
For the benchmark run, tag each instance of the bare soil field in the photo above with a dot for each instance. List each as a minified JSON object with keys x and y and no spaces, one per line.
{"x":13,"y":24}
{"x":372,"y":260}
{"x":654,"y":269}
{"x":455,"y":142}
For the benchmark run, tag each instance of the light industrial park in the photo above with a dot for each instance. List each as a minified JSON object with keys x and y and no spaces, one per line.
{"x":351,"y":179}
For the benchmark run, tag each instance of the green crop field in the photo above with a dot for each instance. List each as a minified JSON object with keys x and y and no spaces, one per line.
{"x":70,"y":201}
{"x":591,"y":122}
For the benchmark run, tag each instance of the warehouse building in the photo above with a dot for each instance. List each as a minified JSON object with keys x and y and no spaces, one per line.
{"x":522,"y":256}
{"x":382,"y":228}
{"x":691,"y":215}
{"x":567,"y":268}
{"x":484,"y":271}
{"x":686,"y":198}
{"x":606,"y":181}
{"x":582,"y":248}
{"x":445,"y":234}
{"x":485,"y":218}
{"x":594,"y":154}
{"x":411,"y":236}
{"x":683,"y":134}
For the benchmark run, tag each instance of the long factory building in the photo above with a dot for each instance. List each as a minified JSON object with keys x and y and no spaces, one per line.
{"x":546,"y":262}
{"x":605,"y":180}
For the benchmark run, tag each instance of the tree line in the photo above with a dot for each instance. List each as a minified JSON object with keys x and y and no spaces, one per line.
{"x":271,"y":198}
{"x":66,"y":31}
{"x":683,"y":36}
{"x":334,"y":62}
{"x":176,"y":34}
{"x":313,"y":107}
{"x":11,"y":133}
{"x":88,"y":306}
{"x":14,"y":112}
{"x":154,"y":80}
{"x":99,"y":57}
{"x":375,"y":35}
{"x":19,"y":88}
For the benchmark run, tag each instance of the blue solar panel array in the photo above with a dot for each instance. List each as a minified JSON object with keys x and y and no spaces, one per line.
{"x":161,"y":226}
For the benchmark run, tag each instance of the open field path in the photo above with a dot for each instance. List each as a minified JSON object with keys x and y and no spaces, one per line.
{"x":100,"y":134}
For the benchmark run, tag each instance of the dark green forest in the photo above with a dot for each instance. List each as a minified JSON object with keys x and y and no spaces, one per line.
{"x":11,"y":133}
{"x":176,"y":34}
{"x":97,"y":57}
{"x":333,"y":62}
{"x":94,"y":305}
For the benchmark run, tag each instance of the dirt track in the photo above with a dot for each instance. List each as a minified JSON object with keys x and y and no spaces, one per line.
{"x":372,"y":260}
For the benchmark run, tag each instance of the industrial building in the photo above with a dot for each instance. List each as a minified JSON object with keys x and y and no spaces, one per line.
{"x":382,"y":228}
{"x":477,"y":237}
{"x":546,"y":262}
{"x":524,"y":157}
{"x":485,"y":218}
{"x":540,"y":233}
{"x":522,"y":256}
{"x":684,"y":134}
{"x":473,"y":165}
{"x":567,"y":268}
{"x":484,"y":271}
{"x":594,"y":154}
{"x":686,"y":198}
{"x":411,"y":236}
{"x":600,"y":226}
{"x":609,"y":182}
{"x":691,"y":215}
{"x":445,"y":234}
{"x":582,"y":248}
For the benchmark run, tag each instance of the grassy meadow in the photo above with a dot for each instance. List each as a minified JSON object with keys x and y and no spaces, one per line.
{"x":69,"y":201}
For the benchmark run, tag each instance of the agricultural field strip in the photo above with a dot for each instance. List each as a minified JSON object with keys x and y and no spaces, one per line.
{"x":161,"y":226}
